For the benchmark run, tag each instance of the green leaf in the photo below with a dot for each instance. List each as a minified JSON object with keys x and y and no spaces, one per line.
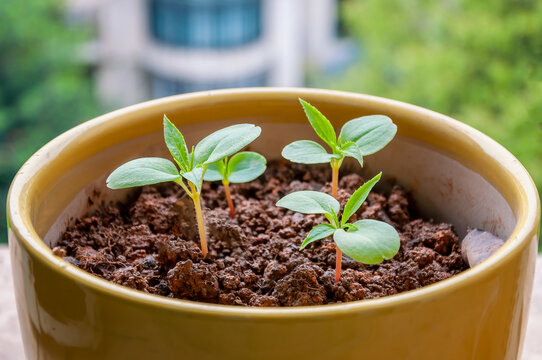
{"x":373,"y":242}
{"x":245,"y":166}
{"x":320,"y":124}
{"x":215,"y":171}
{"x":176,"y":144}
{"x":195,"y":176}
{"x":318,"y":232}
{"x":307,"y":152}
{"x":350,"y":227}
{"x":334,"y":219}
{"x":351,"y":149}
{"x":192,"y":158}
{"x":225,"y":142}
{"x":357,"y":198}
{"x":370,"y":133}
{"x":143,"y":171}
{"x":310,"y":202}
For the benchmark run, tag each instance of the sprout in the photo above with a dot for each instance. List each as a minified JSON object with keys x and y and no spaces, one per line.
{"x":367,"y":241}
{"x":193,"y":164}
{"x":358,"y":138}
{"x":240,"y":168}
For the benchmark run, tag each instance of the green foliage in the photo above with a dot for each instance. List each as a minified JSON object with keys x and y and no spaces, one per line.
{"x":225,"y":142}
{"x":214,"y":147}
{"x":310,"y":202}
{"x":216,"y":171}
{"x":240,"y":168}
{"x":358,"y":137}
{"x":143,"y":171}
{"x":44,"y":89}
{"x":352,"y":149}
{"x":176,"y":145}
{"x":477,"y":61}
{"x":369,"y":133}
{"x":373,"y":242}
{"x":245,"y":166}
{"x":319,"y":232}
{"x":320,"y":124}
{"x":307,"y":152}
{"x":357,"y":198}
{"x":366,"y":241}
{"x":194,"y":176}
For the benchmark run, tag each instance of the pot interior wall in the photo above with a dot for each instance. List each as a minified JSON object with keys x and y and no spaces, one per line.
{"x":442,"y":187}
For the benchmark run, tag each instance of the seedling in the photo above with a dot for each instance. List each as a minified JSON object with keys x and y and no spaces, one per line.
{"x":193,"y":164}
{"x":358,"y":137}
{"x":240,"y":168}
{"x":367,"y":241}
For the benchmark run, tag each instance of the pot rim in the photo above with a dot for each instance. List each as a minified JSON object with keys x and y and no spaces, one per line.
{"x":526,"y":228}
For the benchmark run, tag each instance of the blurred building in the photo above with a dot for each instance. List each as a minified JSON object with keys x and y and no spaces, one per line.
{"x":152,"y":48}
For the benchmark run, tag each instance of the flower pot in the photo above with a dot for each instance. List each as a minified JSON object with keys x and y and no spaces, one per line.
{"x":454,"y":173}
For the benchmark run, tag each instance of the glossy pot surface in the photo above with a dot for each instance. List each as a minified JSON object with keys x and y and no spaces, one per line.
{"x":453,"y":172}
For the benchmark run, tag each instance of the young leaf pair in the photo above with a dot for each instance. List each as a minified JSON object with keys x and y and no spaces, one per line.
{"x":192,"y":164}
{"x":358,"y":137}
{"x":240,"y":168}
{"x":367,"y":241}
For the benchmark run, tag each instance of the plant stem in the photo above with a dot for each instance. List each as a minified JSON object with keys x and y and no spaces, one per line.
{"x":228,"y":197}
{"x":334,"y":190}
{"x":338,"y":263}
{"x":199,"y":218}
{"x":334,"y":181}
{"x":181,"y":182}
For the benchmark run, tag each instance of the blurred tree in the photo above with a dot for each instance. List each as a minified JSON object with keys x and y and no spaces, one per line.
{"x":44,"y":90}
{"x":477,"y":61}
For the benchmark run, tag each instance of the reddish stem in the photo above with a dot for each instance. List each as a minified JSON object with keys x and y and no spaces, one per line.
{"x":228,"y":198}
{"x":338,"y":263}
{"x":334,"y":181}
{"x":334,"y":191}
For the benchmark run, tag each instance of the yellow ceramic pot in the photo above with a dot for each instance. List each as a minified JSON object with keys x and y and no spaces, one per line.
{"x":454,"y":172}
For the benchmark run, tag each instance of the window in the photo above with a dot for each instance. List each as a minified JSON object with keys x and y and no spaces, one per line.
{"x":206,"y":23}
{"x":162,"y":86}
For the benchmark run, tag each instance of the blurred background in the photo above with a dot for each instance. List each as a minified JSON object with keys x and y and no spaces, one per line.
{"x":65,"y":61}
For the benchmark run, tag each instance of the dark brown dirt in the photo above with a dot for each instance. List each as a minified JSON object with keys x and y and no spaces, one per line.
{"x":151,"y":244}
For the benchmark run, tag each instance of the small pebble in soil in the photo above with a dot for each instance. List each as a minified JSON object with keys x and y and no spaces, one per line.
{"x":478,"y":245}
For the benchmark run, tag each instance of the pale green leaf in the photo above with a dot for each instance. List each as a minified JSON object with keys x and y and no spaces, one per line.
{"x":357,"y":198}
{"x":351,"y":149}
{"x":215,"y":171}
{"x":225,"y":142}
{"x":307,"y":152}
{"x":195,"y":176}
{"x":370,"y":133}
{"x":320,"y":124}
{"x":143,"y":171}
{"x":245,"y":166}
{"x":318,"y":232}
{"x":373,"y":242}
{"x":310,"y":202}
{"x":176,"y":144}
{"x":350,"y":226}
